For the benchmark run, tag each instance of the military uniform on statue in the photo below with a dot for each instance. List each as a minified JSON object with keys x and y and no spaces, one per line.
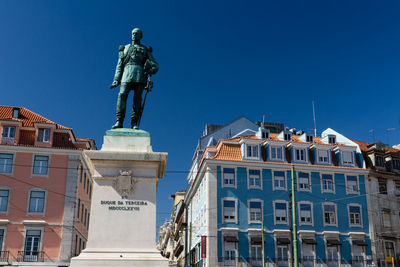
{"x":135,"y":63}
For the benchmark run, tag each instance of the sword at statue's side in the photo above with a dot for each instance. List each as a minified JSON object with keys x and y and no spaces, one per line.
{"x":148,"y":88}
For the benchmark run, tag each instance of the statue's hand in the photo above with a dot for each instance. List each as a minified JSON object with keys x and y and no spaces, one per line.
{"x":114,"y":84}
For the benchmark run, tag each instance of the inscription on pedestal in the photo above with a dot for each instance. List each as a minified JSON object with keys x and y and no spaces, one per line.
{"x":124,"y":205}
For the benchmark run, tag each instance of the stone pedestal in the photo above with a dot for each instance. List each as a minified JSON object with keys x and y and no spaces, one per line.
{"x":122,"y":229}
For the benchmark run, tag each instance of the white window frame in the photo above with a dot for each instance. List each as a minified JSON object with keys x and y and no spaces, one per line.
{"x":249,"y":186}
{"x":236,"y":210}
{"x":6,"y":131}
{"x":287,"y":215}
{"x":282,"y":153}
{"x":328,"y":159}
{"x":262,"y":210}
{"x":8,"y":200}
{"x":348,"y":191}
{"x":347,"y":163}
{"x":311,"y":211}
{"x":12,"y":163}
{"x":30,"y":228}
{"x":234,"y":174}
{"x":295,"y":159}
{"x":33,"y":165}
{"x":252,"y":148}
{"x":29,"y":201}
{"x":284,"y":180}
{"x":323,"y":214}
{"x":348,"y":214}
{"x":43,"y":140}
{"x":333,"y":183}
{"x":224,"y":249}
{"x":309,"y":182}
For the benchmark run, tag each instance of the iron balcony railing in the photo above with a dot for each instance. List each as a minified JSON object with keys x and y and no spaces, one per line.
{"x":4,"y":256}
{"x":7,"y":140}
{"x":308,"y":261}
{"x":358,"y":261}
{"x":30,"y":256}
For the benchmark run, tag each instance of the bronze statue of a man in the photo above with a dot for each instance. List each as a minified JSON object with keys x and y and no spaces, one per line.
{"x":135,"y":63}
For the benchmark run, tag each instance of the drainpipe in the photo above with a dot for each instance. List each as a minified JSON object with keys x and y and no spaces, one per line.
{"x":262,"y":241}
{"x":294,"y":221}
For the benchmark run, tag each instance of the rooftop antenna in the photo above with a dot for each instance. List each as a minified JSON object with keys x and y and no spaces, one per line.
{"x":315,"y":122}
{"x":387,"y":134}
{"x":372,"y":131}
{"x":263,"y":120}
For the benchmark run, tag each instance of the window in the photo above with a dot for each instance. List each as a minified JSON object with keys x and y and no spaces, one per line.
{"x":265,"y":135}
{"x":327,"y":183}
{"x":352,"y":184}
{"x":256,"y":255}
{"x":305,"y":213}
{"x":79,"y":207}
{"x":229,"y":253}
{"x":9,"y":132}
{"x":276,"y":153}
{"x":332,"y":139}
{"x":347,"y":158}
{"x":252,"y":151}
{"x":379,"y":161}
{"x":280,"y":213}
{"x":36,"y":201}
{"x":4,"y":195}
{"x":32,"y":245}
{"x":84,"y":222}
{"x":82,"y":208}
{"x":229,"y":210}
{"x":355,"y":215}
{"x":323,"y":156}
{"x":287,"y":137}
{"x":76,"y":245}
{"x":283,"y":256}
{"x":279,"y":180}
{"x":304,"y":181}
{"x":329,"y":214}
{"x":382,"y":186}
{"x":43,"y":135}
{"x":80,"y":175}
{"x":6,"y":163}
{"x":387,"y":223}
{"x":254,"y":179}
{"x":300,"y":154}
{"x":40,"y":165}
{"x":255,"y":211}
{"x":229,"y":176}
{"x":396,"y":164}
{"x":309,"y":138}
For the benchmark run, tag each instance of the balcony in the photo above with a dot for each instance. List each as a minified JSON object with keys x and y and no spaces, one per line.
{"x":30,"y":256}
{"x":7,"y":140}
{"x":307,"y":261}
{"x":358,"y":261}
{"x":4,"y":256}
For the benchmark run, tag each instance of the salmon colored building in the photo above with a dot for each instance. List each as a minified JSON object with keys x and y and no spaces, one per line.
{"x":45,"y":190}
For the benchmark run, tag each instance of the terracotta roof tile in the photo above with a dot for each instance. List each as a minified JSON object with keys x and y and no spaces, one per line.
{"x":27,"y":117}
{"x":228,"y":152}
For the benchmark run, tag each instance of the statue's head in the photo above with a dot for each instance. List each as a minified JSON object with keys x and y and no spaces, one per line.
{"x":136,"y":34}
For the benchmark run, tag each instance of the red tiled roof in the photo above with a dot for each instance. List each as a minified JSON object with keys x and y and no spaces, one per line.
{"x":27,"y":117}
{"x":364,"y":146}
{"x":229,"y":152}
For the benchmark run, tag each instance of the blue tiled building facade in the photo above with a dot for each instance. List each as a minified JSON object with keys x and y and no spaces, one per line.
{"x":245,"y":181}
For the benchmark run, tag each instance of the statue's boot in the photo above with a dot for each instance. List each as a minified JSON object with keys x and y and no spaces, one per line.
{"x":118,"y":124}
{"x":134,"y":123}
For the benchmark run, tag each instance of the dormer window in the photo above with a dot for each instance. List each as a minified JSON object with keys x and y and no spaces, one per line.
{"x":252,"y":151}
{"x":276,"y":153}
{"x":287,"y":136}
{"x":323,"y":156}
{"x":43,"y":135}
{"x":265,"y":135}
{"x":15,"y":113}
{"x":396,"y":164}
{"x":332,"y":139}
{"x":300,"y":154}
{"x":309,"y":138}
{"x":347,"y":158}
{"x":379,"y":161}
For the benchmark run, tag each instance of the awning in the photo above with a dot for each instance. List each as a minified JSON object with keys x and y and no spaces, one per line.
{"x":256,"y":240}
{"x":283,"y":241}
{"x":361,"y":243}
{"x":230,"y":238}
{"x":333,"y":242}
{"x":309,"y":241}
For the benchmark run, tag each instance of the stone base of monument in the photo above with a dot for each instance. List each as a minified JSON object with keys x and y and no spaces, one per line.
{"x":122,"y":228}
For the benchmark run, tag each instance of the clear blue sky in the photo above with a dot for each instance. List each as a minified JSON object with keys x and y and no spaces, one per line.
{"x":218,"y":60}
